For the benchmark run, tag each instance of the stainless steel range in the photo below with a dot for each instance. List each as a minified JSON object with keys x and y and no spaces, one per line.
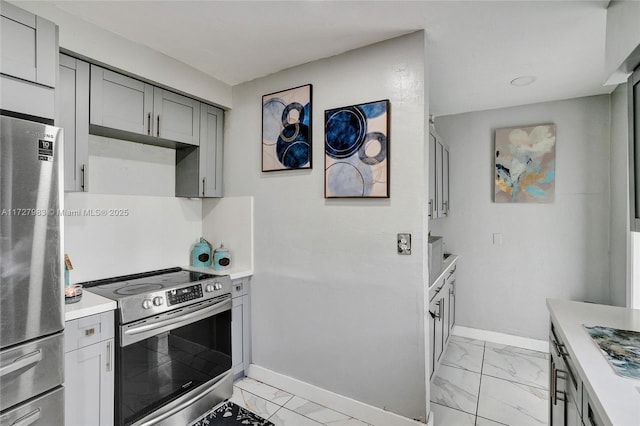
{"x":173,"y":358}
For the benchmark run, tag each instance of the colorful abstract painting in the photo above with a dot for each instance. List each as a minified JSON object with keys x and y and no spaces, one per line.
{"x":525,"y":164}
{"x":286,"y":129}
{"x":621,"y":348}
{"x":356,"y":146}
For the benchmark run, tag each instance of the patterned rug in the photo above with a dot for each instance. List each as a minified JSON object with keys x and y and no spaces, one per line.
{"x":230,"y":414}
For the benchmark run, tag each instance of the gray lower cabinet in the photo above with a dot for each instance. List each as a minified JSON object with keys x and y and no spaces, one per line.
{"x":28,"y":62}
{"x":89,"y":370}
{"x":240,"y":327}
{"x":72,"y":114}
{"x":441,"y":316}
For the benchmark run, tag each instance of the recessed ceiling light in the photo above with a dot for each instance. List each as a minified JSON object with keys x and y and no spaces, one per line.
{"x":525,"y":80}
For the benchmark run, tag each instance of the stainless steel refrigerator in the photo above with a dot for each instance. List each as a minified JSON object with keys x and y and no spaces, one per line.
{"x":31,"y":271}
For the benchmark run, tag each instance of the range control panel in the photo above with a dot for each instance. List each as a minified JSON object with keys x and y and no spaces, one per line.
{"x":184,"y":294}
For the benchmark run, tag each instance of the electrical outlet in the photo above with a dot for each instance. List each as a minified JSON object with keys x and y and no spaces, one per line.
{"x":404,"y":243}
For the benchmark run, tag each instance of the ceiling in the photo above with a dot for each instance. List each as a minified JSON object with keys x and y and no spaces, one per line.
{"x":475,"y":48}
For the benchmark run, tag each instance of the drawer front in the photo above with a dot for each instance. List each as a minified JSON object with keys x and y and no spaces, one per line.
{"x":240,"y":287}
{"x":45,"y":410}
{"x":30,"y":369}
{"x":88,"y":331}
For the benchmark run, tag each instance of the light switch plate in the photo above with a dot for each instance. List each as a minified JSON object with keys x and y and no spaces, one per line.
{"x":404,"y":244}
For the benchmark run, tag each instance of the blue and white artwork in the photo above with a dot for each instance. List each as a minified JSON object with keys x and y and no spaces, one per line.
{"x":286,"y":129}
{"x":356,"y":142}
{"x":620,"y":347}
{"x":525,"y":164}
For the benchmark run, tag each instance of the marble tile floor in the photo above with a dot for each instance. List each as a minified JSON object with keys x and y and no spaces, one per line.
{"x":478,"y":383}
{"x":284,"y":409}
{"x":486,"y":384}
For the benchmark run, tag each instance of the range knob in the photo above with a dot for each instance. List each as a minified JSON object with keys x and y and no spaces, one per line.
{"x":158,"y":301}
{"x":209,"y":288}
{"x":217,"y":286}
{"x":146,"y":304}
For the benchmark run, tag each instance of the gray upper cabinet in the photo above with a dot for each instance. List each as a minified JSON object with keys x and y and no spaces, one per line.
{"x":147,"y":114}
{"x":72,"y":110}
{"x":199,"y":169}
{"x":211,"y":128}
{"x":432,"y":176}
{"x":176,"y":117}
{"x":28,"y":62}
{"x":438,"y":177}
{"x":120,"y":102}
{"x":28,"y":45}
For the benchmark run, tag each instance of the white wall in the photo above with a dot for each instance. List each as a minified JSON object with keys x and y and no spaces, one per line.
{"x":557,"y":250}
{"x":84,"y":38}
{"x":333,"y":304}
{"x":154,"y":233}
{"x":620,"y":235}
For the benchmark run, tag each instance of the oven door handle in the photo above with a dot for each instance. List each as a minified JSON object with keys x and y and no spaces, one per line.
{"x":162,"y":415}
{"x":182,"y":319}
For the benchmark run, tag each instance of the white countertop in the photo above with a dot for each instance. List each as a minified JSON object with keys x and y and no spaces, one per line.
{"x":616,"y":398}
{"x":90,"y":304}
{"x":446,"y":265}
{"x":234,"y":273}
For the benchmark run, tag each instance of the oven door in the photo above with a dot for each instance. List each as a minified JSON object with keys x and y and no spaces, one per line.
{"x":174,"y":367}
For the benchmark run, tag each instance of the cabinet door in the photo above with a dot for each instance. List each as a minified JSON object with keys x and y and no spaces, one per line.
{"x":452,"y":303}
{"x":72,"y":98}
{"x":28,"y":46}
{"x":89,"y":385}
{"x":436,"y":308}
{"x":120,"y":102}
{"x":433,"y":179}
{"x":237,"y":335}
{"x":445,"y":180}
{"x":439,"y":209}
{"x":211,"y":134}
{"x":177,"y":117}
{"x":446,"y":328}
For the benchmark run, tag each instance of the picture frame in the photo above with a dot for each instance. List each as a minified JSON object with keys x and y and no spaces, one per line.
{"x":525,"y":161}
{"x":356,"y":144}
{"x":287,"y":130}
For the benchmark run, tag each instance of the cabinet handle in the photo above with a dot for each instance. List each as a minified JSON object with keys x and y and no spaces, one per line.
{"x":445,"y":207}
{"x":238,"y":287}
{"x":158,"y":127}
{"x":452,"y":289}
{"x":109,"y":365}
{"x":82,"y":177}
{"x":436,"y":315}
{"x":89,"y":332}
{"x":203,"y":186}
{"x":149,"y":124}
{"x":431,"y":208}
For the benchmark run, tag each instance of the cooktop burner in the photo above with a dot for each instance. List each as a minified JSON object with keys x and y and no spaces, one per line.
{"x":148,"y":282}
{"x":151,"y":293}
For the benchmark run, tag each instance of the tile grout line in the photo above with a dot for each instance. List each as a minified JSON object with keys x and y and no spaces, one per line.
{"x":484,"y":348}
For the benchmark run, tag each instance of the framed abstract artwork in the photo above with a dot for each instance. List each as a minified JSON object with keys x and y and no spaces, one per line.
{"x":525,"y":164}
{"x":286,"y":129}
{"x":356,"y":146}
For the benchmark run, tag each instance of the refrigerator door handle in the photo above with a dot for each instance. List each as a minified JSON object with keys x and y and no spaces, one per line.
{"x":22,"y":362}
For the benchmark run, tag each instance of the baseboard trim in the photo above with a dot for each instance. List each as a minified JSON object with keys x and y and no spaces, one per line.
{"x":501,"y":338}
{"x":351,"y":407}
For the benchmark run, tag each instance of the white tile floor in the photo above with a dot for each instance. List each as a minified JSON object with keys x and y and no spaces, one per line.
{"x":284,"y":409}
{"x":479,"y":383}
{"x":482,"y":383}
